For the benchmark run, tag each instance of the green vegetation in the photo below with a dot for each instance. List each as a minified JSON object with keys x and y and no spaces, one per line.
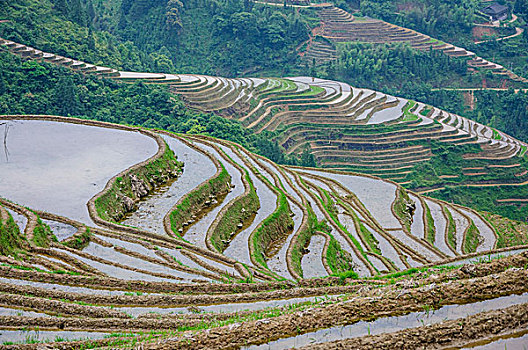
{"x":510,"y":232}
{"x":199,"y":198}
{"x":273,"y":230}
{"x":364,"y":232}
{"x":303,"y":240}
{"x":42,"y":235}
{"x":209,"y":37}
{"x":496,"y":135}
{"x":400,"y":275}
{"x":407,"y":114}
{"x":403,"y":208}
{"x":120,"y":198}
{"x":450,"y":20}
{"x":11,"y":240}
{"x":66,"y":30}
{"x":471,"y":239}
{"x":430,"y":229}
{"x":504,"y":110}
{"x":485,"y":199}
{"x":347,"y":274}
{"x":449,"y":159}
{"x":372,"y":242}
{"x":240,"y":212}
{"x":426,"y":110}
{"x":451,"y":228}
{"x":339,"y":260}
{"x":509,"y":53}
{"x":376,"y":65}
{"x":79,"y":241}
{"x":339,"y":265}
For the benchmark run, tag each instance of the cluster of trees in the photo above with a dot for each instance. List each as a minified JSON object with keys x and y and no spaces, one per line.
{"x":520,"y":7}
{"x":211,"y":36}
{"x":31,"y":87}
{"x":391,"y":67}
{"x":509,"y":53}
{"x":192,"y":36}
{"x":452,"y":21}
{"x":75,"y":10}
{"x":504,"y":110}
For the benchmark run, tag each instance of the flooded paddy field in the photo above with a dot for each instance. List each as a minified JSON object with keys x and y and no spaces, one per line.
{"x":57,"y":167}
{"x":352,"y":238}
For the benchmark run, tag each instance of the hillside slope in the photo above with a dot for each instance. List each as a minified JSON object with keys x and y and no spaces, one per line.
{"x":345,"y":128}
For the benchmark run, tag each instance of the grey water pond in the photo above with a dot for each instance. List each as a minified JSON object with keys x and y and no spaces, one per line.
{"x":61,"y":230}
{"x":57,"y":167}
{"x":312,"y":262}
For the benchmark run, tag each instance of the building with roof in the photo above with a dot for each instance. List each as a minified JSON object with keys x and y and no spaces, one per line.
{"x":496,"y":12}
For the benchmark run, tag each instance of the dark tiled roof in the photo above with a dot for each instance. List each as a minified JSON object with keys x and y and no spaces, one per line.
{"x":495,"y":9}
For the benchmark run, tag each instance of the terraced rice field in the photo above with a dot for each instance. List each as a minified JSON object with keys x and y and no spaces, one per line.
{"x":347,"y":128}
{"x":180,"y":241}
{"x":339,"y":26}
{"x":116,"y":236}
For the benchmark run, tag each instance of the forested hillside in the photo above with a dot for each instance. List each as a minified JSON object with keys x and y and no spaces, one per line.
{"x":201,"y":36}
{"x":220,"y":37}
{"x":64,"y":27}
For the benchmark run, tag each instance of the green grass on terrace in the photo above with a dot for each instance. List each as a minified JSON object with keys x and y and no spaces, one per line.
{"x":280,"y":86}
{"x":407,"y":114}
{"x":314,"y":90}
{"x":523,"y":151}
{"x":496,"y":135}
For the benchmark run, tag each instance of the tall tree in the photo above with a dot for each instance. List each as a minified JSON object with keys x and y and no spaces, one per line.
{"x":61,"y":6}
{"x":78,"y":12}
{"x":66,"y":98}
{"x":307,"y":158}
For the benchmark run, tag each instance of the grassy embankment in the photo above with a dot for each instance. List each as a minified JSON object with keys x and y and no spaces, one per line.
{"x":111,"y":205}
{"x":471,"y":239}
{"x":451,"y":228}
{"x":11,"y":240}
{"x":196,"y":200}
{"x":274,"y":229}
{"x":339,"y":260}
{"x":239,"y":214}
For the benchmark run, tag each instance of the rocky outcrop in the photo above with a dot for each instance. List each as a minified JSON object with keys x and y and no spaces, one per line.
{"x":139,"y":188}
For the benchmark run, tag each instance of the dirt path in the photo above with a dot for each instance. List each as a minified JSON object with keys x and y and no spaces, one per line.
{"x":518,"y":31}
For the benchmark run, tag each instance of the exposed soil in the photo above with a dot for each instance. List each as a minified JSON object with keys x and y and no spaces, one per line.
{"x":446,"y":334}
